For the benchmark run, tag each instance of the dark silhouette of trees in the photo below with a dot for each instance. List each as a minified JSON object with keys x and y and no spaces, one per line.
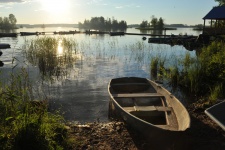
{"x":155,"y":23}
{"x":221,"y":2}
{"x":8,"y":22}
{"x":102,"y":23}
{"x":219,"y":23}
{"x":144,"y":24}
{"x":160,"y":23}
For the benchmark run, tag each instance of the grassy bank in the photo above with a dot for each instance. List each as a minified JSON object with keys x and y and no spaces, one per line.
{"x":25,"y":122}
{"x":202,"y":77}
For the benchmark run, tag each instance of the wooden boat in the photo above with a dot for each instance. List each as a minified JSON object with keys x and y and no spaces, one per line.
{"x":8,"y":34}
{"x":66,"y":32}
{"x":1,"y":64}
{"x":4,"y":46}
{"x":216,"y":113}
{"x":116,"y":33}
{"x":147,"y":106}
{"x":28,"y":33}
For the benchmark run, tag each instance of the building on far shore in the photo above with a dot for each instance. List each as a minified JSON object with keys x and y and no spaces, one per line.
{"x":217,"y":21}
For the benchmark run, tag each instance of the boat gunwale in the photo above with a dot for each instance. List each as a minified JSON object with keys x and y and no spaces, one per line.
{"x":158,"y":127}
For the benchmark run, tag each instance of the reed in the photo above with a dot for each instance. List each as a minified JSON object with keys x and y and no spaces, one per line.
{"x":154,"y":67}
{"x":204,"y":75}
{"x":52,"y":55}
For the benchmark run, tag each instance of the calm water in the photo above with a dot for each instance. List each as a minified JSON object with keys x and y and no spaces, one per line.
{"x":82,"y":93}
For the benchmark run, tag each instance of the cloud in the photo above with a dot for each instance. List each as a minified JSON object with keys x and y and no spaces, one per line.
{"x":12,"y":1}
{"x":91,"y":2}
{"x":119,"y":7}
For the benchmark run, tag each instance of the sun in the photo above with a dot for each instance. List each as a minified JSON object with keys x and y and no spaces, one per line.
{"x":55,"y":6}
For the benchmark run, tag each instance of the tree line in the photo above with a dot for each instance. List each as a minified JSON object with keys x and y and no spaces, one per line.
{"x":102,"y":23}
{"x":221,"y":2}
{"x":8,"y":22}
{"x":155,"y":23}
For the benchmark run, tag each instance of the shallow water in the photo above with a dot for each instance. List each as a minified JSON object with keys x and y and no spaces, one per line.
{"x":82,"y":93}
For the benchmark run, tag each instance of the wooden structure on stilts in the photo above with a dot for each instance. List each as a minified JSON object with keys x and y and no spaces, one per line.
{"x":217,"y":21}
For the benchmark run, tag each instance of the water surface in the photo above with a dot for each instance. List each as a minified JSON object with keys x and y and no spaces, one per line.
{"x":82,"y":93}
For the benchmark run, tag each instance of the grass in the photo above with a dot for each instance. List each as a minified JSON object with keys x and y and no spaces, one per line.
{"x":53,"y":56}
{"x":25,"y":123}
{"x":202,"y":76}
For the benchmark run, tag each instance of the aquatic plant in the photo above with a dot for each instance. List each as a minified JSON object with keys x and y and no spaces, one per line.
{"x":25,"y":123}
{"x":204,"y":75}
{"x":53,"y":56}
{"x":154,"y":67}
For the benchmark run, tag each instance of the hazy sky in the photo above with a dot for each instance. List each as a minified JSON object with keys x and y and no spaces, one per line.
{"x":188,"y":12}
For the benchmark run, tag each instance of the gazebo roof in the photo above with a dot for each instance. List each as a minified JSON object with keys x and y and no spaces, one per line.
{"x":216,"y":13}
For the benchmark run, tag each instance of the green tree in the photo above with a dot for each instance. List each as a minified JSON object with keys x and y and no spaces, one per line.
{"x":6,"y":23}
{"x":102,"y":23}
{"x":144,"y":24}
{"x":1,"y":21}
{"x":154,"y":22}
{"x":12,"y":20}
{"x":160,"y":23}
{"x":221,"y":2}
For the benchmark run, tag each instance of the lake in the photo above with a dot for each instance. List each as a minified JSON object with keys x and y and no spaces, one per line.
{"x":81,"y":94}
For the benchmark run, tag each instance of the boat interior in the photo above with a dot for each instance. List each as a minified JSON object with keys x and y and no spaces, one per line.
{"x":142,"y":100}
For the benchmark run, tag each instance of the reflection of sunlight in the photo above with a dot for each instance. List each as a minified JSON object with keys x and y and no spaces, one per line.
{"x":60,"y":49}
{"x":79,"y":56}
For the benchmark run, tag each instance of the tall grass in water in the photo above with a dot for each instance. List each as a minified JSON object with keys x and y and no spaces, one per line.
{"x":154,"y":67}
{"x":52,"y":55}
{"x":203,"y":76}
{"x":26,"y":123}
{"x":157,"y":69}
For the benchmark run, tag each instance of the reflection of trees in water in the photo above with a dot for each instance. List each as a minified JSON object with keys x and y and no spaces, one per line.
{"x":53,"y":56}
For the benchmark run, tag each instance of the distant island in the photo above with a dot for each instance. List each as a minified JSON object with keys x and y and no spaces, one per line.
{"x":167,"y":26}
{"x":76,"y":25}
{"x":46,"y":25}
{"x":8,"y":23}
{"x":100,"y":23}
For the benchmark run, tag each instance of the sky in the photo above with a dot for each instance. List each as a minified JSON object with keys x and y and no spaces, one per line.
{"x":188,"y":12}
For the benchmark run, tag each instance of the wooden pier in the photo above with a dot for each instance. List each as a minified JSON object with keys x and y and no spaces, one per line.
{"x":85,"y":32}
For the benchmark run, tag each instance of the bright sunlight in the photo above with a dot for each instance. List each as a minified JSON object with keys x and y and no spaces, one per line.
{"x":55,"y":6}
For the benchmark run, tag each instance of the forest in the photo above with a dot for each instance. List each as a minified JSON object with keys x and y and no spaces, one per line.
{"x":8,"y":22}
{"x":102,"y":23}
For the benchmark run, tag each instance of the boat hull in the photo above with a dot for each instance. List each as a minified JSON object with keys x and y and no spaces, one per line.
{"x":153,"y":126}
{"x":216,"y":113}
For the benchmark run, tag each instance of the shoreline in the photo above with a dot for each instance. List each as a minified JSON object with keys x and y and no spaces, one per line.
{"x":203,"y":134}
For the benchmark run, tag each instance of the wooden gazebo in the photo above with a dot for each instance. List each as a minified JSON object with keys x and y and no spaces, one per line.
{"x":217,"y":21}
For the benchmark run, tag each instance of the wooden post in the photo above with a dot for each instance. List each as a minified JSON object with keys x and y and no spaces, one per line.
{"x":203,"y":27}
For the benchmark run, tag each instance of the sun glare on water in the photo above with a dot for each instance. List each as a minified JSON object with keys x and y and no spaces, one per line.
{"x":60,"y":48}
{"x":55,"y":6}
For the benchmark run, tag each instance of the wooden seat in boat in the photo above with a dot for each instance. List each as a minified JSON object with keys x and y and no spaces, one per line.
{"x":136,"y":95}
{"x":147,"y":108}
{"x":125,"y":84}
